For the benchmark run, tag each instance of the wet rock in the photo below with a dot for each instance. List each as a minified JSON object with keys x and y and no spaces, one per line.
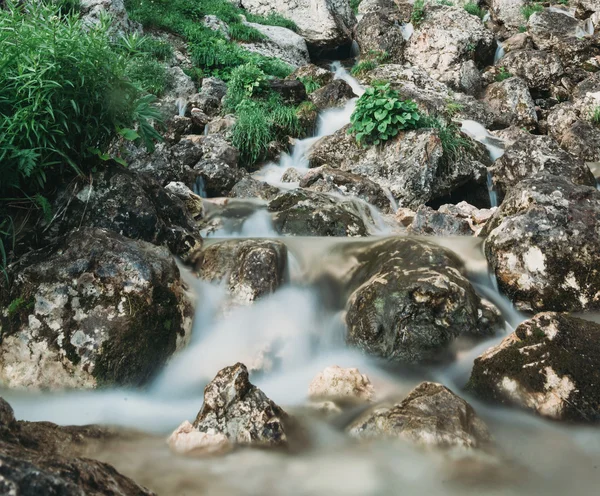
{"x":550,"y":365}
{"x":248,"y":187}
{"x":543,"y":245}
{"x":323,"y":24}
{"x":199,"y":121}
{"x":335,"y":94}
{"x":512,"y":101}
{"x":280,"y":43}
{"x":192,"y":202}
{"x":215,"y":87}
{"x":133,"y":205}
{"x":411,"y":301}
{"x":250,"y":268}
{"x":430,"y":416}
{"x":185,"y":440}
{"x":539,"y":69}
{"x":291,"y":175}
{"x":329,"y":180}
{"x":446,"y":39}
{"x":97,"y":309}
{"x":240,"y":411}
{"x":380,"y":31}
{"x":405,"y":216}
{"x":307,"y":213}
{"x":411,"y":166}
{"x":310,"y":71}
{"x":429,"y":222}
{"x":218,"y":177}
{"x":291,"y":91}
{"x":532,"y":154}
{"x":338,"y":383}
{"x":215,"y":147}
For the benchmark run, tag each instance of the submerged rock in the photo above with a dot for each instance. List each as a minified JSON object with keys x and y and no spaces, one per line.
{"x":550,"y":364}
{"x":240,"y":411}
{"x":430,"y":416}
{"x":411,"y":301}
{"x":543,"y":244}
{"x":336,"y":383}
{"x":96,"y":310}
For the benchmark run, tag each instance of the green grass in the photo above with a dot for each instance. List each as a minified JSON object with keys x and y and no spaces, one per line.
{"x":530,"y":9}
{"x":474,"y":9}
{"x":454,"y":143}
{"x":595,"y":116}
{"x":310,"y":84}
{"x":503,"y":74}
{"x":418,"y":12}
{"x":354,"y":4}
{"x":363,"y":67}
{"x":243,"y":32}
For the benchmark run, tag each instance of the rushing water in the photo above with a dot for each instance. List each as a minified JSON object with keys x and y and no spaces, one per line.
{"x":287,"y":338}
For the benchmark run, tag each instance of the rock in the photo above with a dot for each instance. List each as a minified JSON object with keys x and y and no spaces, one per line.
{"x":134,"y":205}
{"x":539,"y":69}
{"x":291,"y":91}
{"x":186,"y":440}
{"x":215,"y":147}
{"x":221,"y":125}
{"x":329,"y":180}
{"x":7,"y":415}
{"x":213,"y":23}
{"x":367,"y":6}
{"x":543,"y":245}
{"x":218,"y":177}
{"x":93,"y":10}
{"x":507,"y":12}
{"x":411,"y":166}
{"x":291,"y":175}
{"x":405,"y":216}
{"x":192,"y":202}
{"x":215,"y":87}
{"x":249,"y":268}
{"x":431,"y":416}
{"x":248,"y":187}
{"x":341,"y":384}
{"x":180,"y":92}
{"x":512,"y":101}
{"x":280,"y":43}
{"x":469,"y":78}
{"x":335,"y":94}
{"x":532,"y":154}
{"x":410,"y":301}
{"x":429,"y":222}
{"x":199,"y":120}
{"x":97,"y":309}
{"x":310,"y":71}
{"x":550,"y":365}
{"x":324,"y":24}
{"x":307,"y":213}
{"x":446,"y":39}
{"x":380,"y":31}
{"x":240,"y":411}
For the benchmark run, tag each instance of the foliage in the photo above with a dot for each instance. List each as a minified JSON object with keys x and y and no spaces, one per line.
{"x":418,"y":12}
{"x":67,"y":6}
{"x":474,"y":9}
{"x":522,"y":29}
{"x":310,"y":84}
{"x":447,"y":3}
{"x":243,"y":32}
{"x":370,"y":61}
{"x":18,"y":304}
{"x":381,"y":114}
{"x":272,"y":19}
{"x":149,"y":74}
{"x":454,"y":143}
{"x":531,"y":8}
{"x":247,"y":81}
{"x":453,"y":108}
{"x":595,"y":115}
{"x":354,"y":4}
{"x":503,"y":74}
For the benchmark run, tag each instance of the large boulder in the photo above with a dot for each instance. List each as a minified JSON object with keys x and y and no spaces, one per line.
{"x":380,"y":31}
{"x":431,"y":416}
{"x":512,"y":101}
{"x":249,"y":268}
{"x":97,"y":309}
{"x":324,"y":24}
{"x":281,"y":43}
{"x":507,"y":12}
{"x":550,"y":364}
{"x":92,"y":12}
{"x":538,"y":68}
{"x":410,"y":300}
{"x":543,"y":245}
{"x":445,"y":40}
{"x":532,"y":154}
{"x":335,"y":94}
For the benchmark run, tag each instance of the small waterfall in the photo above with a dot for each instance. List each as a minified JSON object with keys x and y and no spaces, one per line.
{"x":199,"y":187}
{"x":407,"y":31}
{"x":499,"y":53}
{"x":355,"y":49}
{"x":181,"y":104}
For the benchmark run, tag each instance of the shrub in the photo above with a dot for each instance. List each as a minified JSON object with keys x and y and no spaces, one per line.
{"x":503,"y":74}
{"x":530,"y":9}
{"x":252,"y":133}
{"x":474,"y":9}
{"x":380,"y":114}
{"x":247,"y":81}
{"x":310,"y":84}
{"x":418,"y":12}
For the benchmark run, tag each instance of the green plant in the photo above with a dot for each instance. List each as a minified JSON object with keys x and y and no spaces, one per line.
{"x":272,"y":19}
{"x":474,"y":9}
{"x":243,"y":32}
{"x":595,"y":115}
{"x":503,"y":74}
{"x":251,"y":134}
{"x":454,"y":143}
{"x":418,"y":12}
{"x":247,"y":81}
{"x":563,"y":2}
{"x":310,"y":84}
{"x":522,"y":29}
{"x":447,"y":3}
{"x":148,"y":74}
{"x":531,"y":8}
{"x":66,"y":7}
{"x":471,"y":47}
{"x":363,"y":67}
{"x":453,"y":108}
{"x":381,"y":114}
{"x":354,"y":4}
{"x":18,"y":304}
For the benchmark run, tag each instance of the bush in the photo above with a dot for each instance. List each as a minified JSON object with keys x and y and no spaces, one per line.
{"x":380,"y":114}
{"x":474,"y":9}
{"x":530,"y":9}
{"x":247,"y":81}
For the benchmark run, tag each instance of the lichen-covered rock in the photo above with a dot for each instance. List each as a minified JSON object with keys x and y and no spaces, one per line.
{"x":512,"y":101}
{"x":431,"y":416}
{"x":337,"y":383}
{"x":532,"y":154}
{"x":335,"y":94}
{"x":550,"y":364}
{"x":307,"y":213}
{"x":538,"y":68}
{"x":218,"y":177}
{"x":239,"y":410}
{"x":507,"y":12}
{"x":411,"y":166}
{"x":410,"y":301}
{"x":281,"y":43}
{"x":446,"y":39}
{"x":429,"y":222}
{"x":543,"y":245}
{"x":97,"y":309}
{"x":380,"y":31}
{"x":250,"y":268}
{"x":192,"y":202}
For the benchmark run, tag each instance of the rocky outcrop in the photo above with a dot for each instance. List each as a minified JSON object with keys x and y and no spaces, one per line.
{"x":538,"y":68}
{"x":543,"y":245}
{"x":93,"y":10}
{"x":310,"y":71}
{"x":507,"y":12}
{"x":97,"y":309}
{"x":337,"y":383}
{"x":249,"y":187}
{"x":550,"y":364}
{"x":240,"y":411}
{"x":249,"y":268}
{"x":410,"y":301}
{"x":431,"y":416}
{"x":449,"y":220}
{"x":532,"y":154}
{"x":380,"y":31}
{"x":281,"y":43}
{"x":512,"y":101}
{"x":324,"y":24}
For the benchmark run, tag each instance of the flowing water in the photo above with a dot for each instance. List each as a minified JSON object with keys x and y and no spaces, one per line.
{"x":287,"y":338}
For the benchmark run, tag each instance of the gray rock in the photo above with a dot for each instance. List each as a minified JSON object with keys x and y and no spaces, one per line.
{"x":314,"y":72}
{"x":550,"y":364}
{"x":512,"y":101}
{"x":429,"y":222}
{"x":380,"y":31}
{"x":93,"y":10}
{"x":98,"y":310}
{"x":335,"y":94}
{"x":242,"y":412}
{"x":539,"y":69}
{"x":280,"y":43}
{"x":410,"y":301}
{"x":430,"y":416}
{"x":213,"y":23}
{"x":215,"y":87}
{"x":543,"y":244}
{"x":218,"y":177}
{"x":192,"y":202}
{"x":248,"y":187}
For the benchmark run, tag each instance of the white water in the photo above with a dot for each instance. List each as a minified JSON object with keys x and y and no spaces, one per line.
{"x":499,"y":53}
{"x":407,"y":31}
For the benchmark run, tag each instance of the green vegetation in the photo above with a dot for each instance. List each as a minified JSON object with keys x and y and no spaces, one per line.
{"x":354,"y":5}
{"x":474,"y":9}
{"x":19,"y":304}
{"x":447,"y":3}
{"x":310,"y":84}
{"x":418,"y":12}
{"x":522,"y":29}
{"x":595,"y":115}
{"x":503,"y":74}
{"x":530,"y":9}
{"x":381,"y":114}
{"x":454,"y":143}
{"x":243,"y":32}
{"x":370,"y":61}
{"x":453,"y":108}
